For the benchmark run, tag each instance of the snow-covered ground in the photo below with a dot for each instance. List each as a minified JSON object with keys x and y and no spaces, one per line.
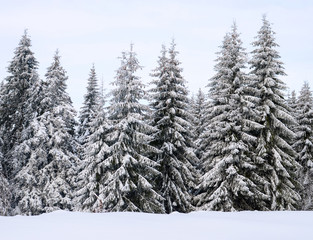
{"x":128,"y":226}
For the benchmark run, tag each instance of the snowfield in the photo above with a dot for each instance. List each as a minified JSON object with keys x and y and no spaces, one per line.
{"x":197,"y":225}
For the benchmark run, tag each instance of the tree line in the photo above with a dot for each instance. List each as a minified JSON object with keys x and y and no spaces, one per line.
{"x":243,"y":145}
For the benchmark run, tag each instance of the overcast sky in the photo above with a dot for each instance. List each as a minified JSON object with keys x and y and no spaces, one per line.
{"x":95,"y":31}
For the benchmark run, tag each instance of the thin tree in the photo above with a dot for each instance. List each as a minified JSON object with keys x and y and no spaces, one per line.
{"x":198,"y":107}
{"x":304,"y":144}
{"x":89,"y":108}
{"x":292,"y":104}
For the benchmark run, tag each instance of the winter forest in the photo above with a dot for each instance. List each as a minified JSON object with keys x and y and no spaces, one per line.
{"x":244,"y":142}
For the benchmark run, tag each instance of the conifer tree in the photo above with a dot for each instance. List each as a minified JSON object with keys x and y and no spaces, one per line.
{"x":292,"y":101}
{"x":15,"y":104}
{"x":89,"y":108}
{"x":275,"y":157}
{"x":304,"y":145}
{"x":27,"y":196}
{"x":93,"y":169}
{"x":127,"y":185}
{"x":229,"y":182}
{"x":45,"y":183}
{"x":292,"y":105}
{"x":198,"y":110}
{"x":5,"y":195}
{"x":173,"y":137}
{"x":5,"y":191}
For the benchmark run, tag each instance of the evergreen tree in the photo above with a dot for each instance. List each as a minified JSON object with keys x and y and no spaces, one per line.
{"x":275,"y":157}
{"x":173,"y":137}
{"x":127,"y":184}
{"x":93,"y":169}
{"x":229,"y":182}
{"x":292,"y":105}
{"x":25,"y":182}
{"x":304,"y":145}
{"x":15,"y":104}
{"x":89,"y":108}
{"x":5,"y":195}
{"x":292,"y":101}
{"x":5,"y":191}
{"x":45,"y":183}
{"x":198,"y":111}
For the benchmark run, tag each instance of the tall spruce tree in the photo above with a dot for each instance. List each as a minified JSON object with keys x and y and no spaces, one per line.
{"x":275,"y":157}
{"x":45,"y":183}
{"x":15,"y":105}
{"x":304,"y":145}
{"x":229,"y":182}
{"x":128,"y":184}
{"x":173,"y":137}
{"x":89,"y":108}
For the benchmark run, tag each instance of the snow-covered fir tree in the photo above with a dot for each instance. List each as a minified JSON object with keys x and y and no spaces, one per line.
{"x":304,"y":145}
{"x":229,"y":182}
{"x":292,"y":104}
{"x":127,"y":183}
{"x":5,"y":191}
{"x":45,"y":183}
{"x":198,"y":106}
{"x":198,"y":111}
{"x":24,"y":183}
{"x":5,"y":195}
{"x":292,"y":100}
{"x":173,"y":137}
{"x":15,"y":105}
{"x":275,"y":156}
{"x":89,"y":108}
{"x":93,"y":168}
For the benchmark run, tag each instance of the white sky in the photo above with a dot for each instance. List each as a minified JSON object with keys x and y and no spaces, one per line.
{"x":96,"y":31}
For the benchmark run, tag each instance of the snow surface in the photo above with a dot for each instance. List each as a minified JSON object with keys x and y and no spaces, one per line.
{"x":197,"y":225}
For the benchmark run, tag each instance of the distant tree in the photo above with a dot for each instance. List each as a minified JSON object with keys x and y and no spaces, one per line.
{"x":15,"y":105}
{"x":275,"y":156}
{"x":128,"y":181}
{"x":229,"y":181}
{"x":292,"y":100}
{"x":173,"y":138}
{"x":292,"y":104}
{"x":89,"y":108}
{"x":198,"y":107}
{"x":304,"y":145}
